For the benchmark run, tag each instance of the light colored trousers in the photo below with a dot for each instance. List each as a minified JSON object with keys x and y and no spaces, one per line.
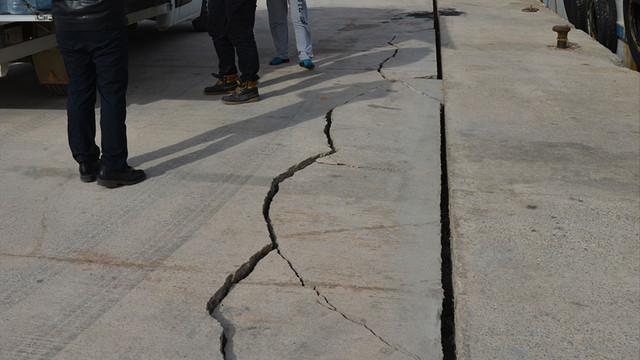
{"x":280,"y":30}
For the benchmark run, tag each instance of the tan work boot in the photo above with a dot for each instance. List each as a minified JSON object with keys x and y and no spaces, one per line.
{"x":246,"y":92}
{"x":225,"y":85}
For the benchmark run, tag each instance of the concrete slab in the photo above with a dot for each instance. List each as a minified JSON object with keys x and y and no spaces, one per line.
{"x":543,"y":152}
{"x":359,"y":258}
{"x":365,"y":257}
{"x":127,"y":273}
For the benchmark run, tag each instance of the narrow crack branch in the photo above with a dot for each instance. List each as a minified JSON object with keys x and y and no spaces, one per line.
{"x":327,"y":304}
{"x":355,"y":166}
{"x":386,"y":77}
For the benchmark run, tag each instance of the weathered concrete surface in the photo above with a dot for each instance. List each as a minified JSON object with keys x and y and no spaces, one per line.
{"x":543,"y":147}
{"x":92,"y":273}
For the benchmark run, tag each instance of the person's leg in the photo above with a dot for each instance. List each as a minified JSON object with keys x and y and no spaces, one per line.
{"x":241,"y":16}
{"x":279,"y":26}
{"x":81,"y":98}
{"x":111,"y":55}
{"x":218,"y":26}
{"x":301,"y":27}
{"x":227,"y":70}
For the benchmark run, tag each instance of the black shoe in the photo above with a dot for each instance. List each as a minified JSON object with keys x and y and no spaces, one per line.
{"x":113,"y":178}
{"x":246,"y":92}
{"x":225,"y":85}
{"x":89,"y":170}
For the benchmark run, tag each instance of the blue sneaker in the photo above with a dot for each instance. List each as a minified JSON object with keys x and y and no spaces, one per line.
{"x":306,"y":63}
{"x":278,"y":60}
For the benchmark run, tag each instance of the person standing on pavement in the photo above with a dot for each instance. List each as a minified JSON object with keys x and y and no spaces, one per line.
{"x":230,"y":26}
{"x":92,"y":36}
{"x":277,"y":10}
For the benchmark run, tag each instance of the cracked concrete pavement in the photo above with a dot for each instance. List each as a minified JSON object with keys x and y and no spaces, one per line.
{"x":307,"y":225}
{"x":304,"y":226}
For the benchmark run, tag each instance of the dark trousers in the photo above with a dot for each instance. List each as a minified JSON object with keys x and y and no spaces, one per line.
{"x":96,"y":60}
{"x":231,"y":28}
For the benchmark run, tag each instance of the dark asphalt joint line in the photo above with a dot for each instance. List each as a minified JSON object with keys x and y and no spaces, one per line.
{"x":447,"y":321}
{"x":436,"y":26}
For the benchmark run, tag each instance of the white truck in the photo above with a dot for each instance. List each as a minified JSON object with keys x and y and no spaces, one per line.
{"x":27,"y":32}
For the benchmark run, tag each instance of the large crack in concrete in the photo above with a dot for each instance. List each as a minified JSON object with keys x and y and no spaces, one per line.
{"x":226,"y":338}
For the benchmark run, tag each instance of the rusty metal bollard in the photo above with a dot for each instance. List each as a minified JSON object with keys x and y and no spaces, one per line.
{"x":563,"y":38}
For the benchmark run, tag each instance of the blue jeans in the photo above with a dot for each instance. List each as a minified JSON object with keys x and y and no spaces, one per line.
{"x":231,"y":28}
{"x":97,"y":60}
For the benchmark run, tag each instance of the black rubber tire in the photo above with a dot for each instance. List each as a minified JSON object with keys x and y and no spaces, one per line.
{"x":631,"y":10}
{"x":577,"y":13}
{"x":57,"y":89}
{"x":200,"y":24}
{"x":601,"y":18}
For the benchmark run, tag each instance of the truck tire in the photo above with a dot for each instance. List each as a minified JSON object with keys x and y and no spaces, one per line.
{"x":631,"y":10}
{"x":200,"y":24}
{"x":601,"y":17}
{"x":57,"y":89}
{"x":577,"y":13}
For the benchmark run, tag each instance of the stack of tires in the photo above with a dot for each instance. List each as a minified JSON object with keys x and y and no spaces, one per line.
{"x":599,"y":17}
{"x":631,"y":11}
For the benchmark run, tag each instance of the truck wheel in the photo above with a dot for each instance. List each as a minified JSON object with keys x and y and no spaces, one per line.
{"x":631,"y":10}
{"x":200,"y":24}
{"x":601,"y":18}
{"x":57,"y":89}
{"x":577,"y":13}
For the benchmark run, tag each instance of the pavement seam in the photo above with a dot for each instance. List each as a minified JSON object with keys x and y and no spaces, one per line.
{"x":447,"y":315}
